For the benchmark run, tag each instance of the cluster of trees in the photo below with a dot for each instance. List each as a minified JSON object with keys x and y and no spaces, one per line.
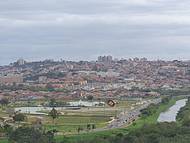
{"x":4,"y":101}
{"x":30,"y":135}
{"x":153,"y":133}
{"x":19,"y":117}
{"x":5,"y":129}
{"x":166,"y":100}
{"x":89,"y":127}
{"x":158,"y":133}
{"x":23,"y":133}
{"x":151,"y":109}
{"x":54,"y":103}
{"x":183,"y":115}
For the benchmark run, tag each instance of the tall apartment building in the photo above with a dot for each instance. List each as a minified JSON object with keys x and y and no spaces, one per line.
{"x":105,"y":59}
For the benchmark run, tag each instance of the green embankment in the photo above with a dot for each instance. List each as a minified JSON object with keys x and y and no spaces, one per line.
{"x":3,"y":141}
{"x":111,"y":133}
{"x":106,"y":134}
{"x":153,"y":118}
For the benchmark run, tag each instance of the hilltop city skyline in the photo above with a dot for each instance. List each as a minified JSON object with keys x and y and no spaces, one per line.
{"x":25,"y":60}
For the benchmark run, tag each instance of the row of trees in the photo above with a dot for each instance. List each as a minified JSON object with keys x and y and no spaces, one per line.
{"x":89,"y":127}
{"x":24,"y":133}
{"x":183,"y":115}
{"x":151,"y":109}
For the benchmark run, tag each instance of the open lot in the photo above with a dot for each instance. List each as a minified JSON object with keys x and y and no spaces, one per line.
{"x":70,"y":120}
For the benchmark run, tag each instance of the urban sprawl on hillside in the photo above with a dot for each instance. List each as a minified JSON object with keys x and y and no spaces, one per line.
{"x":106,"y":77}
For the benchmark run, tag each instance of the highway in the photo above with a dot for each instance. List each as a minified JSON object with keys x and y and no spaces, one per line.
{"x":126,"y":118}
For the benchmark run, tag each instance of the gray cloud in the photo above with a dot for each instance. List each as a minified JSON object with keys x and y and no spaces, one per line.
{"x":84,"y":29}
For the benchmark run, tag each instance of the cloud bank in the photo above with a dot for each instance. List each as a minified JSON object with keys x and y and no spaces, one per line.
{"x":84,"y":29}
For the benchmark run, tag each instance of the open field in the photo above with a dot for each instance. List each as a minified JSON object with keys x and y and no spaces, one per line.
{"x":73,"y":119}
{"x":104,"y":134}
{"x":70,"y":120}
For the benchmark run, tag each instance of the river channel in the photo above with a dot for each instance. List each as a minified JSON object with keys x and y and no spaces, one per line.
{"x":171,"y":113}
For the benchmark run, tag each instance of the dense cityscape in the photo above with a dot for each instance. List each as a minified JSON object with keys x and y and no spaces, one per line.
{"x":102,"y":78}
{"x":64,"y":100}
{"x":94,"y":71}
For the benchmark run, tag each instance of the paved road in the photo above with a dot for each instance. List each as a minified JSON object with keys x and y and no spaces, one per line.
{"x":126,"y":118}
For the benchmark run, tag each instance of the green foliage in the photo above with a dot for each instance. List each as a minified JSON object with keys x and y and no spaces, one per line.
{"x":90,"y":97}
{"x":54,"y":114}
{"x":150,"y":110}
{"x":165,"y":100}
{"x":183,"y":115}
{"x":158,"y":133}
{"x":52,"y":102}
{"x":153,"y":133}
{"x":79,"y":129}
{"x":4,"y":101}
{"x":19,"y":117}
{"x":30,"y":135}
{"x":147,"y":133}
{"x":5,"y":129}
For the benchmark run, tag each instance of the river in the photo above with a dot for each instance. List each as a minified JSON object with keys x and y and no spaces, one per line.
{"x":171,"y":113}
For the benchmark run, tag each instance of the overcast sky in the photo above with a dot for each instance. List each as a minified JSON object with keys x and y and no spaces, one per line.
{"x":85,"y":29}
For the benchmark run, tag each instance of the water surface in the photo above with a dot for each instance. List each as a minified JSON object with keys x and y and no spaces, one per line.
{"x":171,"y":113}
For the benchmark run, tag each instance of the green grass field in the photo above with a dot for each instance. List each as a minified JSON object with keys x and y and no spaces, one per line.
{"x":68,"y":124}
{"x":104,"y":134}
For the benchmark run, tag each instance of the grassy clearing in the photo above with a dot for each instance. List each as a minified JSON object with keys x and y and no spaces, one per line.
{"x":68,"y":123}
{"x":3,"y":141}
{"x":153,"y":118}
{"x":104,"y":134}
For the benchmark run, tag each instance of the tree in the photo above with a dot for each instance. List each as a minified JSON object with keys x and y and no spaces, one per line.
{"x":186,"y":122}
{"x":88,"y":127}
{"x":30,"y":135}
{"x":19,"y":117}
{"x":93,"y":126}
{"x":4,"y":101}
{"x":52,"y":102}
{"x":79,"y":129}
{"x":165,"y":100}
{"x":54,"y":114}
{"x":7,"y":128}
{"x":90,"y":97}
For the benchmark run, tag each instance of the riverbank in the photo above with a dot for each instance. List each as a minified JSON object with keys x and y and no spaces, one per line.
{"x":183,"y":116}
{"x":91,"y":136}
{"x":114,"y":132}
{"x":171,"y":113}
{"x":152,"y":119}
